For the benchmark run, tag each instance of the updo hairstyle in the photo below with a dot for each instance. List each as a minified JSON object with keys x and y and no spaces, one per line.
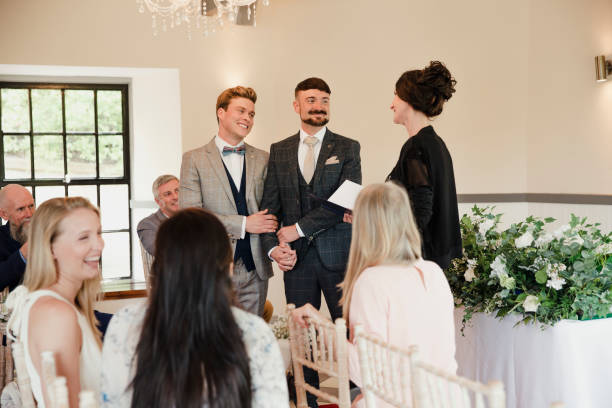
{"x":426,"y":89}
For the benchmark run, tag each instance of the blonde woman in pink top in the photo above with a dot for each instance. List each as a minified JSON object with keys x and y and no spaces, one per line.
{"x":389,"y":289}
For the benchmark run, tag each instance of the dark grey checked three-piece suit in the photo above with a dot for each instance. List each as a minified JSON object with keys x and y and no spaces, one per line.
{"x":323,"y":253}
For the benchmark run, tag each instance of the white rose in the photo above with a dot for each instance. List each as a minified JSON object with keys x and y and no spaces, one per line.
{"x":543,"y":240}
{"x":524,"y":240}
{"x":486,"y":225}
{"x":531,"y":303}
{"x":559,"y":232}
{"x":556,"y":283}
{"x":498,"y":267}
{"x":575,"y":239}
{"x":604,"y":249}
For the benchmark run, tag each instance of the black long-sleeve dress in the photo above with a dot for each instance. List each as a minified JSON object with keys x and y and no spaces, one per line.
{"x":425,"y":169}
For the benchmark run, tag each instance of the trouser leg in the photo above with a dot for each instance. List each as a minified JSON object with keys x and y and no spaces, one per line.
{"x":251,"y":291}
{"x":301,"y":287}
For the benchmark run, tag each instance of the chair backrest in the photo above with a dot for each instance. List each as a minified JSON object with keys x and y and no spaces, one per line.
{"x":435,"y":388}
{"x":147,"y":261}
{"x":397,"y":377}
{"x":322,"y":347}
{"x":48,"y":376}
{"x":385,"y":371}
{"x":23,"y":379}
{"x":59,"y":389}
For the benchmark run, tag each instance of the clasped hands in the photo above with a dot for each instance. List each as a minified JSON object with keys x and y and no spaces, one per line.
{"x":260,"y":223}
{"x":284,"y":256}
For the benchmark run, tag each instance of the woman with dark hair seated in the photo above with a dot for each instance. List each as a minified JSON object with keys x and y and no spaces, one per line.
{"x":425,"y":167}
{"x":189,"y":346}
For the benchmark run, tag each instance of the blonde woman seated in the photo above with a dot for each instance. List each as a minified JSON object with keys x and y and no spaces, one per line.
{"x":53,"y":310}
{"x":189,"y":346}
{"x":389,"y":288}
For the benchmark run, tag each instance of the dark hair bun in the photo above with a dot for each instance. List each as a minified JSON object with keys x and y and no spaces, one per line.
{"x":438,"y":77}
{"x":426,"y":89}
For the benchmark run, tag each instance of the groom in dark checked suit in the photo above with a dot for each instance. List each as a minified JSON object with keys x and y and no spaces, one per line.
{"x":313,"y":162}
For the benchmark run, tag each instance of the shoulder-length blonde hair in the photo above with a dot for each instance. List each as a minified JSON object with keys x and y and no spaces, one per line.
{"x":384,"y":232}
{"x":41,"y":268}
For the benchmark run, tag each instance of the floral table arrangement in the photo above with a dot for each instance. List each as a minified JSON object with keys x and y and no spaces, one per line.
{"x":543,"y":277}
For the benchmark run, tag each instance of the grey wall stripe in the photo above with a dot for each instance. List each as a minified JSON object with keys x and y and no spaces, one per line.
{"x":536,"y":198}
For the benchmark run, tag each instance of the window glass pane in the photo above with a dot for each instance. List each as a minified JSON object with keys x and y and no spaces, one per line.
{"x":116,"y":255}
{"x":43,"y":193}
{"x":17,"y":157}
{"x":89,"y":192}
{"x":111,"y":156}
{"x":110,"y":117}
{"x":47,"y":110}
{"x":48,"y":157}
{"x":79,"y":111}
{"x":114,"y":207}
{"x":15,"y":111}
{"x":81,"y":152}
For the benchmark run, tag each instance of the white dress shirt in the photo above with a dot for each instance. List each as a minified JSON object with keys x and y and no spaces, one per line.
{"x":303,"y":147}
{"x":234,"y":163}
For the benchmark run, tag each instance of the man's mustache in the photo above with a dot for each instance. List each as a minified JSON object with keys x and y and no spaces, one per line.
{"x":317,"y":112}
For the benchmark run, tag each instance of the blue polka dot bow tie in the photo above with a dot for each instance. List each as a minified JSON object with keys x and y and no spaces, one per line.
{"x":229,"y":150}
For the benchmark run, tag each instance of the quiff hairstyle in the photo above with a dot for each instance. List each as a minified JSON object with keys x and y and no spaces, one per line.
{"x":312,"y":83}
{"x":160,"y":181}
{"x":223,"y":100}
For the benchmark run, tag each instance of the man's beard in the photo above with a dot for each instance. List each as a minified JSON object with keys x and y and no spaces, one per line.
{"x":314,"y":122}
{"x":19,"y":233}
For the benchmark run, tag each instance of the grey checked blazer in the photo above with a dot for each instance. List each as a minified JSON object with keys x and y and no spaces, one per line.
{"x":321,"y":227}
{"x":204,"y":184}
{"x":147,"y":230}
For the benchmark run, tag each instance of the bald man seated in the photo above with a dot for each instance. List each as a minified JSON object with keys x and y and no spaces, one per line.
{"x":16,"y":207}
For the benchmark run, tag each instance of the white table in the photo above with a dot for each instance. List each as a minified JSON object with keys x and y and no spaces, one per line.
{"x":569,"y":362}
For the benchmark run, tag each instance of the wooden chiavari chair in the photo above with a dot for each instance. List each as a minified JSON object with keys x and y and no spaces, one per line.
{"x":23,"y":379}
{"x":397,"y":377}
{"x":147,"y":262}
{"x":322,"y":347}
{"x":385,"y":371}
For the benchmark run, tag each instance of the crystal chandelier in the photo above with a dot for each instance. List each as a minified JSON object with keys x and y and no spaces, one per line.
{"x":208,"y":15}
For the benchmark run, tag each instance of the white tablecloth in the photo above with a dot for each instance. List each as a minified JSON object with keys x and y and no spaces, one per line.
{"x":569,"y":362}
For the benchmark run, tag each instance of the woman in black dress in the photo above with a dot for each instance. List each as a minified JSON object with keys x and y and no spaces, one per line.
{"x":425,"y":167}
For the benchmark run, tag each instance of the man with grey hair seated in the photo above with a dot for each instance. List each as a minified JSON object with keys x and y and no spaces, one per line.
{"x":165,"y":191}
{"x":16,"y":207}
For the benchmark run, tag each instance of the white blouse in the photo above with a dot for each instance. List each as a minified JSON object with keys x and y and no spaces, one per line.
{"x":268,"y":382}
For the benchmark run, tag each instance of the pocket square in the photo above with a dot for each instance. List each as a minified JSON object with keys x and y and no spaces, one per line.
{"x":332,"y":160}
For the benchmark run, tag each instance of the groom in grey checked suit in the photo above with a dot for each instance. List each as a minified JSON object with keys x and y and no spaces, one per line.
{"x":226,"y":177}
{"x":312,"y":163}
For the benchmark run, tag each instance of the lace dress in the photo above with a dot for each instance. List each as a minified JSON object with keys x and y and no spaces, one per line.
{"x":268,"y":381}
{"x":90,"y":359}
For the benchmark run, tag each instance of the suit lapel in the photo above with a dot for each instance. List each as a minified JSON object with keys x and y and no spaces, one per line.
{"x":214,"y":158}
{"x":250,"y":164}
{"x":326,"y":148}
{"x":292,"y":150}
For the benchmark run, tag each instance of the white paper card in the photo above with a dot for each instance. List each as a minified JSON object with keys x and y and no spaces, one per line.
{"x":346,"y":194}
